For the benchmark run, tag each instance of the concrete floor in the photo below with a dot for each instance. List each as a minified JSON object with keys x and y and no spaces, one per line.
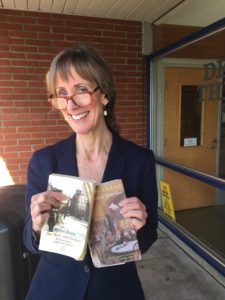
{"x":167,"y":272}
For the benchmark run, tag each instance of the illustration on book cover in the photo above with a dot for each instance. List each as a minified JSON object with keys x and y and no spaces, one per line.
{"x":112,"y":238}
{"x":66,"y":231}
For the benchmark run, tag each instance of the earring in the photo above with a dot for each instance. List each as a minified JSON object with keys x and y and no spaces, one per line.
{"x":105,"y":113}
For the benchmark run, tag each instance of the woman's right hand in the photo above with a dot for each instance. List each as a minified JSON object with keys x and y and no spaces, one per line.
{"x":40,"y":207}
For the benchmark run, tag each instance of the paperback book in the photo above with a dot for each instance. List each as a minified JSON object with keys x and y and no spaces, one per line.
{"x":68,"y":226}
{"x":112,"y":238}
{"x":89,"y":215}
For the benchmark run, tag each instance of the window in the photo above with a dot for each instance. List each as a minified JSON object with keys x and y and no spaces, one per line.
{"x":191,"y":116}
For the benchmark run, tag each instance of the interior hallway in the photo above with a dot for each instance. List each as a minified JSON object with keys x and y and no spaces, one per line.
{"x":207,"y":224}
{"x":167,"y":272}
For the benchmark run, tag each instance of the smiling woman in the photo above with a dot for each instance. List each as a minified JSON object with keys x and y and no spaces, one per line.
{"x":81,"y":87}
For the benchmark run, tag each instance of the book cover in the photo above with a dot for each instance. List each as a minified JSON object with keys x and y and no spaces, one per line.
{"x":112,"y":238}
{"x":67,"y":229}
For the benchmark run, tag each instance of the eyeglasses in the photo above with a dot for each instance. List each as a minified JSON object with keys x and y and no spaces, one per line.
{"x":80,"y":98}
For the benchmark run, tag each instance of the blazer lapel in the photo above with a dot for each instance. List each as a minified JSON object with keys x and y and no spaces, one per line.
{"x":66,"y":157}
{"x":115,"y":162}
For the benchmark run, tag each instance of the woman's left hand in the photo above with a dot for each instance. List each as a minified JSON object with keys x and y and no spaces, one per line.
{"x":135,"y":210}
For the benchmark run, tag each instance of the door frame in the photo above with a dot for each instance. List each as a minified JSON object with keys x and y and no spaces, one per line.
{"x":157,"y":87}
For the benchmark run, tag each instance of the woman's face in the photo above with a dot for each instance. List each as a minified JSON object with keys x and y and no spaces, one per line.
{"x":86,"y":119}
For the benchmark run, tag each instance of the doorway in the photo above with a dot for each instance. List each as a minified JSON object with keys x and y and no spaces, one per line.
{"x":190,"y":135}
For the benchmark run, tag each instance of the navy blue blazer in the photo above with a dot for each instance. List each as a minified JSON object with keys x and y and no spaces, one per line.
{"x":59,"y":277}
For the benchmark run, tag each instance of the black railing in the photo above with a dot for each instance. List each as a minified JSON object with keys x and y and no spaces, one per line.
{"x":209,"y":179}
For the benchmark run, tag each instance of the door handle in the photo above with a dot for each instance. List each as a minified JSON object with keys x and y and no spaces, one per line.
{"x":211,"y":147}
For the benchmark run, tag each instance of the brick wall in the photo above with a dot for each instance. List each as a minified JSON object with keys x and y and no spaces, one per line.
{"x":28,"y":42}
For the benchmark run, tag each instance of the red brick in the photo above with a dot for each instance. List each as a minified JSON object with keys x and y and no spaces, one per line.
{"x":9,"y":156}
{"x":19,"y":48}
{"x":36,"y":28}
{"x":26,"y":77}
{"x":8,"y":143}
{"x":7,"y":130}
{"x":24,"y":154}
{"x":21,"y":20}
{"x":16,"y":136}
{"x":5,"y":76}
{"x":11,"y":26}
{"x":17,"y":173}
{"x":12,"y":167}
{"x":28,"y":47}
{"x":50,"y":21}
{"x":16,"y":41}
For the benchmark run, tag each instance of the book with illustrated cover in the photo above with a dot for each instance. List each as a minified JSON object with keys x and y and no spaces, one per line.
{"x":66,"y":231}
{"x":89,"y":215}
{"x":112,"y":238}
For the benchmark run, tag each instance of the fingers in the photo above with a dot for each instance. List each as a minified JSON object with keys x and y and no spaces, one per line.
{"x":137,"y":224}
{"x":38,"y":221}
{"x":132,"y":202}
{"x":41,"y":205}
{"x":49,"y":197}
{"x":135,"y":210}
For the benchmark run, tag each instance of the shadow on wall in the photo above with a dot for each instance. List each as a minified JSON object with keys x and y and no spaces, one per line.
{"x":5,"y":177}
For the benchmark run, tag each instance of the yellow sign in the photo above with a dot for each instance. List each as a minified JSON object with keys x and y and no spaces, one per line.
{"x":167,"y":201}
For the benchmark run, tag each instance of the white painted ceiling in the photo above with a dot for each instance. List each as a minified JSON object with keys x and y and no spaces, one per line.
{"x":186,"y":12}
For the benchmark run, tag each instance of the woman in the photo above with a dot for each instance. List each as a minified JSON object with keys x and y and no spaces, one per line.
{"x":81,"y":87}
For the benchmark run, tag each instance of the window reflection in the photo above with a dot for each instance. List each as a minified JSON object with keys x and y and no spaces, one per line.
{"x":191,"y":115}
{"x":203,"y":219}
{"x":192,"y":72}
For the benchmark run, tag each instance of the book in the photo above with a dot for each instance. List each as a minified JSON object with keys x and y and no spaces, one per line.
{"x":89,"y":216}
{"x":112,"y":238}
{"x":67,"y":228}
